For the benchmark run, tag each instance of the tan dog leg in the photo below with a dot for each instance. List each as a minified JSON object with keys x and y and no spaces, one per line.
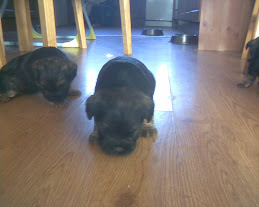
{"x":94,"y":137}
{"x":148,"y":129}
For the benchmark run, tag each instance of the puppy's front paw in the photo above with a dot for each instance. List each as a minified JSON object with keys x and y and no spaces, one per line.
{"x":245,"y":84}
{"x":240,"y":85}
{"x":148,"y":130}
{"x":11,"y":93}
{"x":248,"y":81}
{"x":94,"y":137}
{"x":4,"y":99}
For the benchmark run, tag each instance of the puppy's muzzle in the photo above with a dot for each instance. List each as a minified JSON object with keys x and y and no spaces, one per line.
{"x":55,"y":96}
{"x":114,"y":147}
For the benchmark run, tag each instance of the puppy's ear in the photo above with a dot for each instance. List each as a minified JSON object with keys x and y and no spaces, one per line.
{"x":249,"y":44}
{"x":147,"y":108}
{"x":90,"y":107}
{"x":94,"y":107}
{"x":70,"y":70}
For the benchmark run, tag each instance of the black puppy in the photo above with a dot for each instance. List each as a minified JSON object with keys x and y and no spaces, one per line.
{"x":253,"y":69}
{"x":47,"y":70}
{"x":122,"y":105}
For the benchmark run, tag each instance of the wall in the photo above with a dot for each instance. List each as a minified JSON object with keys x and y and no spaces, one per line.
{"x":61,"y":14}
{"x":224,"y":24}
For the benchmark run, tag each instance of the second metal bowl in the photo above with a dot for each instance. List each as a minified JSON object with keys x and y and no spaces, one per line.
{"x":184,"y":39}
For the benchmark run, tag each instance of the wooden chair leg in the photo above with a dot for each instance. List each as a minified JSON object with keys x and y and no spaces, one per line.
{"x":254,"y":35}
{"x":2,"y":47}
{"x":47,"y":22}
{"x":80,"y":26}
{"x":250,"y":32}
{"x":23,"y":23}
{"x":256,"y":28}
{"x":126,"y":26}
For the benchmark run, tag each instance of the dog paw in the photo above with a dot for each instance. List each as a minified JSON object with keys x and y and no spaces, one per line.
{"x":240,"y":85}
{"x":4,"y":99}
{"x":74,"y":92}
{"x":245,"y":85}
{"x":11,"y":93}
{"x":148,"y":130}
{"x":248,"y":81}
{"x":94,"y":137}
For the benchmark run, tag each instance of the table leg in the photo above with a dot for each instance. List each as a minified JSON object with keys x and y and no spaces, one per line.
{"x":80,"y":26}
{"x":126,"y":26}
{"x":23,"y":23}
{"x":47,"y":22}
{"x":2,"y":47}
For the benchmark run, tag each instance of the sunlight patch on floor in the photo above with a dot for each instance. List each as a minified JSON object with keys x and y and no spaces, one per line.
{"x":91,"y":78}
{"x":162,"y":96}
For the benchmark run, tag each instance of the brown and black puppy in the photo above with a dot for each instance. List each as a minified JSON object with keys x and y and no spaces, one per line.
{"x":47,"y":70}
{"x":122,"y":105}
{"x":253,"y":69}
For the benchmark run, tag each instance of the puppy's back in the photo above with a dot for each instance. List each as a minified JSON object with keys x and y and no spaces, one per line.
{"x":47,"y":52}
{"x":126,"y":72}
{"x":23,"y":61}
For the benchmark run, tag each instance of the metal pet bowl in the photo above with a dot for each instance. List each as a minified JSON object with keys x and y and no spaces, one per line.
{"x":184,"y":39}
{"x":152,"y":32}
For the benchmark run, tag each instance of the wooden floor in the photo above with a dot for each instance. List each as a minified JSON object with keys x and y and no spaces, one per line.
{"x":206,"y":154}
